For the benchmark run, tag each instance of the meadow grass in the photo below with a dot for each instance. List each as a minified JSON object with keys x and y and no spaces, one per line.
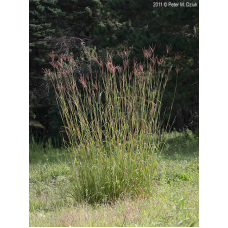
{"x":111,"y":116}
{"x":173,"y":199}
{"x":117,"y":153}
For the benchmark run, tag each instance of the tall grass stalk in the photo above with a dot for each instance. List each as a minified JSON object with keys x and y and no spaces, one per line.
{"x":112,"y":120}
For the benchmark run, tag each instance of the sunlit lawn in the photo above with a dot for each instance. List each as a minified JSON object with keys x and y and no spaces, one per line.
{"x":174,"y":199}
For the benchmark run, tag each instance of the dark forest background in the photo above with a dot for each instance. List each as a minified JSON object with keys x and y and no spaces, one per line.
{"x":77,"y":26}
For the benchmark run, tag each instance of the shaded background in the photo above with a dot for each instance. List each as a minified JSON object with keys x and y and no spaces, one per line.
{"x":111,"y":25}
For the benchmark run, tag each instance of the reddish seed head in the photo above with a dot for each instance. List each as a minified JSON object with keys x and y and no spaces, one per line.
{"x":67,"y":56}
{"x":178,"y":55}
{"x":64,"y":57}
{"x":163,"y":73}
{"x":169,"y":69}
{"x":125,"y":62}
{"x":109,"y":57}
{"x":56,"y":66}
{"x":147,"y":54}
{"x":162,"y":59}
{"x":140,"y":67}
{"x":135,"y":63}
{"x":59,"y":74}
{"x":95,"y":86}
{"x":93,"y":94}
{"x":177,"y":69}
{"x":95,"y":58}
{"x":100,"y":63}
{"x":83,"y":81}
{"x":168,"y":48}
{"x":52,"y":63}
{"x":150,"y":68}
{"x":121,"y":56}
{"x":60,"y":63}
{"x":152,"y":48}
{"x":65,"y":72}
{"x":119,"y":68}
{"x":71,"y":70}
{"x":71,"y":59}
{"x":153,"y":59}
{"x":89,"y":69}
{"x":107,"y":65}
{"x":127,"y":53}
{"x":130,"y":75}
{"x":46,"y":71}
{"x":113,"y":69}
{"x":60,"y":57}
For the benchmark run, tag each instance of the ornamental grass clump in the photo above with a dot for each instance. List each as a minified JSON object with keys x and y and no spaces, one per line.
{"x":111,"y":116}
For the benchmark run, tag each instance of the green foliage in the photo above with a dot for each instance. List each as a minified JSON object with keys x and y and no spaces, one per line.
{"x":173,"y":197}
{"x":55,"y":25}
{"x":107,"y":176}
{"x":113,"y":25}
{"x":112,"y":120}
{"x":138,"y":24}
